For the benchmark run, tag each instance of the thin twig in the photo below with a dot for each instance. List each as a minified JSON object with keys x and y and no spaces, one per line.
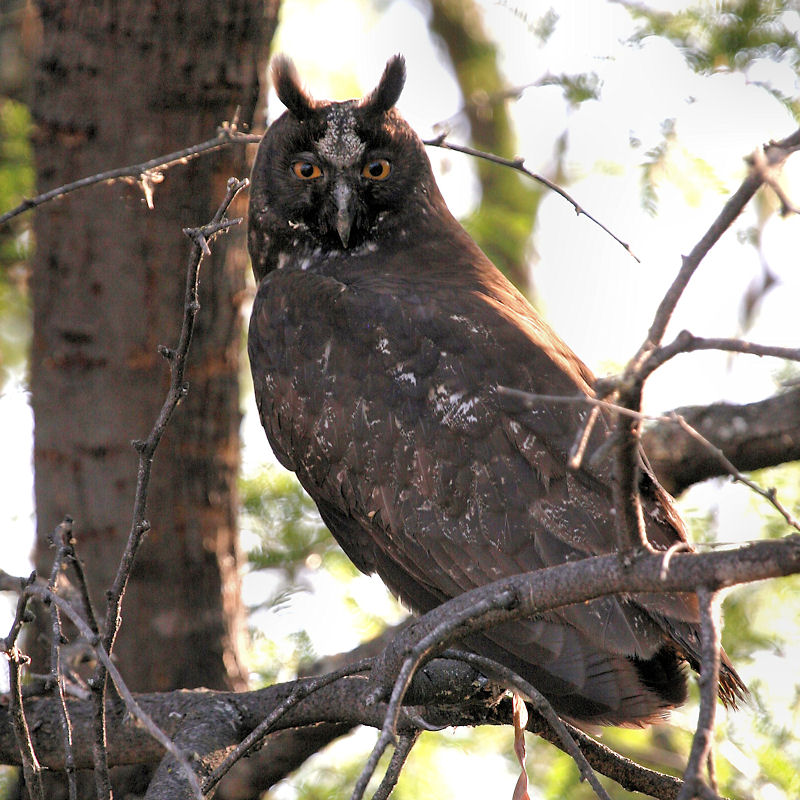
{"x":62,"y":539}
{"x":146,"y":450}
{"x":775,"y":153}
{"x":541,"y":705}
{"x":578,"y":449}
{"x":83,"y":588}
{"x":518,"y":164}
{"x":31,"y":769}
{"x":47,"y":596}
{"x":770,"y":495}
{"x":146,"y":173}
{"x":301,"y":691}
{"x":767,"y":172}
{"x":627,"y":503}
{"x":441,"y":633}
{"x":177,"y":391}
{"x":21,"y":616}
{"x":686,"y":342}
{"x":709,"y":682}
{"x":531,"y":400}
{"x":401,"y":752}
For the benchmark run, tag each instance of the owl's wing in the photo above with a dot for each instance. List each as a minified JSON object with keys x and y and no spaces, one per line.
{"x":389,"y":414}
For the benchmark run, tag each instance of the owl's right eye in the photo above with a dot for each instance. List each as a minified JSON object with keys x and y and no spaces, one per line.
{"x":306,"y":171}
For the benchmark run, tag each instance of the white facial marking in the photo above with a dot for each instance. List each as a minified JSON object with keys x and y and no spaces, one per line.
{"x":341,"y":144}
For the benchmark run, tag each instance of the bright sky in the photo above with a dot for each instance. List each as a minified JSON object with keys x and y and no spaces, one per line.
{"x":594,"y":294}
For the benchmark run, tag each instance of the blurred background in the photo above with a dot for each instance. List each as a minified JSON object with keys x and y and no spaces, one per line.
{"x":643,"y":112}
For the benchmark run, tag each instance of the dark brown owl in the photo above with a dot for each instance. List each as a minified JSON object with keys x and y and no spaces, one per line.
{"x":380,"y":333}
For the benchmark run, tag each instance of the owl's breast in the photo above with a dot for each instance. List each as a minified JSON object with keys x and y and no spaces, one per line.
{"x":369,"y":399}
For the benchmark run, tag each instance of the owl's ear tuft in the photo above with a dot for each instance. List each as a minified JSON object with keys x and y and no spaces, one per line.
{"x":389,"y":87}
{"x":289,"y":89}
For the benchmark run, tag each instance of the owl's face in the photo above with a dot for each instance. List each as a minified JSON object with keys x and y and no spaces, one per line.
{"x":334,"y":177}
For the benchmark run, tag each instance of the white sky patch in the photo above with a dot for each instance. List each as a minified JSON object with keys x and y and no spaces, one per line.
{"x":17,"y":525}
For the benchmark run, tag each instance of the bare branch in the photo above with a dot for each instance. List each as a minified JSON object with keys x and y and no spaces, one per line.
{"x":147,"y":173}
{"x":522,"y":595}
{"x":542,"y":706}
{"x":302,"y":691}
{"x":146,"y":450}
{"x":518,"y":164}
{"x":63,"y":542}
{"x":709,"y":683}
{"x":751,"y":436}
{"x":770,"y":177}
{"x":177,"y":391}
{"x":31,"y":768}
{"x":774,"y":154}
{"x":770,"y":495}
{"x":405,"y":742}
{"x":686,"y":342}
{"x":131,"y":704}
{"x":629,"y":387}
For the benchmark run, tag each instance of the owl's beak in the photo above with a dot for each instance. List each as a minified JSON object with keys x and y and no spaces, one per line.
{"x":343,"y":196}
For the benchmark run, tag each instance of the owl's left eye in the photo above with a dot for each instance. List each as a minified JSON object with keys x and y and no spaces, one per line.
{"x":377,"y":170}
{"x":305,"y":170}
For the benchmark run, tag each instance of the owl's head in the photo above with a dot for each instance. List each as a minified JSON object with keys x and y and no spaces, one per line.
{"x":334,"y":176}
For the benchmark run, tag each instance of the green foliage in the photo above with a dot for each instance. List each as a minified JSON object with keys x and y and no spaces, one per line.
{"x":785,"y":480}
{"x":9,"y":782}
{"x":577,"y":88}
{"x":541,"y":27}
{"x":788,"y":374}
{"x":286,"y":520}
{"x":504,"y":220}
{"x":730,"y":35}
{"x":16,"y":182}
{"x":16,"y":154}
{"x":295,"y":553}
{"x":670,"y":161}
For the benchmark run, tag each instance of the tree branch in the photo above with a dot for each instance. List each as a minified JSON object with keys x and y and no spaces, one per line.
{"x":751,"y":436}
{"x":351,"y":700}
{"x":518,"y":164}
{"x":709,"y":682}
{"x":146,"y":173}
{"x":628,"y":388}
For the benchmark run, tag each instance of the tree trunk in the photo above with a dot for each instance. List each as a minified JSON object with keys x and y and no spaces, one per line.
{"x":503,"y":223}
{"x":119,"y":83}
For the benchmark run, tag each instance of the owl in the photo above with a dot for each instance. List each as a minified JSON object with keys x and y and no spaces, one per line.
{"x":379,"y":336}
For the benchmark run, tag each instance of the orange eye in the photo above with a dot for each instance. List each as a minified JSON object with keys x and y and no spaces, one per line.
{"x":306,"y":171}
{"x":377,"y":170}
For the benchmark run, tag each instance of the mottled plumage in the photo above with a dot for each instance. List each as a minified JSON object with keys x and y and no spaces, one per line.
{"x":379,"y":335}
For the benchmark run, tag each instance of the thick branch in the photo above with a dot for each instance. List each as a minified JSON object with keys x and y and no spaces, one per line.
{"x":351,"y":700}
{"x":752,"y":436}
{"x":348,"y":700}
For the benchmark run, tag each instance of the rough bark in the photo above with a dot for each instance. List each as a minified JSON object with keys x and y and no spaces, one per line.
{"x":117,"y":83}
{"x":351,"y":700}
{"x":751,"y":436}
